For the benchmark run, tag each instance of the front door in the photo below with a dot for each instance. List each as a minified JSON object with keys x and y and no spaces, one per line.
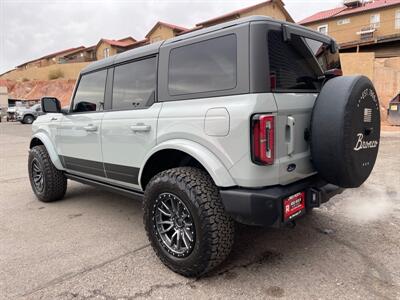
{"x":79,"y":136}
{"x":129,"y":129}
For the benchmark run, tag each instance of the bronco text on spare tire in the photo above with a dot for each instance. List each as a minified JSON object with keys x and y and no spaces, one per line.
{"x":247,"y":121}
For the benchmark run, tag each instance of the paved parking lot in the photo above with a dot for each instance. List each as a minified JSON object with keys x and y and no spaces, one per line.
{"x":92,"y":245}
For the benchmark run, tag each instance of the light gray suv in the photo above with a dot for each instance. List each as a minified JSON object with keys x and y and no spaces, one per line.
{"x":247,"y":121}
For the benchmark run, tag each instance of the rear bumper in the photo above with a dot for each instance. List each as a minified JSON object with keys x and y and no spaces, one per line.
{"x":263,"y":207}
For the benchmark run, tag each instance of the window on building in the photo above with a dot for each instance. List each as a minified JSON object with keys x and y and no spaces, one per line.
{"x":90,"y":93}
{"x":343,"y":21}
{"x":106,"y":52}
{"x":397,"y":19}
{"x":203,"y":67}
{"x":323,"y":29}
{"x":375,"y":20}
{"x":135,"y":84}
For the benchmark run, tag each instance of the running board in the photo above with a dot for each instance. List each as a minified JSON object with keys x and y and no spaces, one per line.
{"x":108,"y":187}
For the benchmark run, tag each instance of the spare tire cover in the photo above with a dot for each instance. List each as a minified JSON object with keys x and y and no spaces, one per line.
{"x":345,"y":131}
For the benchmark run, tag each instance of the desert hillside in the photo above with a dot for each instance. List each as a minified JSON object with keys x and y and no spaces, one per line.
{"x":36,"y":89}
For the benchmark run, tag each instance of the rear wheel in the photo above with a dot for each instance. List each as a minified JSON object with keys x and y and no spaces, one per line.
{"x":185,"y":221}
{"x":48,"y":183}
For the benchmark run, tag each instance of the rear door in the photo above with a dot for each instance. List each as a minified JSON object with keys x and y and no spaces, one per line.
{"x":297,"y":66}
{"x":129,"y":128}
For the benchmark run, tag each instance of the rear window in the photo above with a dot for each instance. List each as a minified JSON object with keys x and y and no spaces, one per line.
{"x":299,"y":64}
{"x":203,"y":67}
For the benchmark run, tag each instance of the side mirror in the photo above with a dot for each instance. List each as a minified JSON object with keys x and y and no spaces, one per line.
{"x":51,"y":105}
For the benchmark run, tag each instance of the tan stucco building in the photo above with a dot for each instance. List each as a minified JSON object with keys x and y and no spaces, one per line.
{"x":366,"y":26}
{"x":162,"y":31}
{"x":106,"y":47}
{"x":49,"y":59}
{"x":272,"y":8}
{"x":159,"y":32}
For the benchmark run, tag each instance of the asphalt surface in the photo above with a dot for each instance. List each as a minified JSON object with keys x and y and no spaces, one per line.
{"x":92,"y":244}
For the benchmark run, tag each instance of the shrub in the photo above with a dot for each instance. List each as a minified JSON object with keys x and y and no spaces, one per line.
{"x":25,"y":79}
{"x":55,"y":74}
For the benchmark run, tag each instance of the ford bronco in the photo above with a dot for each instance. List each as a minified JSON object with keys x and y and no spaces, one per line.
{"x":248,"y":121}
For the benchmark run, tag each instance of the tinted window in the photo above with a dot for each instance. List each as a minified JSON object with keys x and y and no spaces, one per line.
{"x":292,"y":65}
{"x":135,"y":84}
{"x":90,"y":93}
{"x":203,"y":67}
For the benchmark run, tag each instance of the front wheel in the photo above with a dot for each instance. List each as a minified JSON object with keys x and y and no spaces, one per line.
{"x":186,"y":222}
{"x":48,"y":183}
{"x":28,"y":119}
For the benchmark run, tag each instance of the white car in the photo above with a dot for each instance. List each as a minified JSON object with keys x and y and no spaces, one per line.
{"x":247,"y":121}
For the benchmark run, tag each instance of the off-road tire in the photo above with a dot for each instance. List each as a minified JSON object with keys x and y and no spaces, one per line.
{"x":55,"y":182}
{"x":214,"y":229}
{"x":345,"y":131}
{"x":28,"y":119}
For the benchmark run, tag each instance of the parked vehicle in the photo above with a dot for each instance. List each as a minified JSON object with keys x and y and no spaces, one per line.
{"x":28,"y":115}
{"x":247,"y":121}
{"x":11,"y":113}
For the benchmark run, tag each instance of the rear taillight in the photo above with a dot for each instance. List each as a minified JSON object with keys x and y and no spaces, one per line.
{"x":263,"y":139}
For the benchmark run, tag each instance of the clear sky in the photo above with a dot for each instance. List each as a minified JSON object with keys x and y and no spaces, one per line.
{"x":33,"y":28}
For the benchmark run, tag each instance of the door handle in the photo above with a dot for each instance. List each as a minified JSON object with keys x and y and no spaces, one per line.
{"x":140,"y":128}
{"x":290,"y":135}
{"x":90,"y":127}
{"x":53,"y":119}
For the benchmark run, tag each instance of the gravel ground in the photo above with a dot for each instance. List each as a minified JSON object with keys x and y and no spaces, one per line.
{"x":92,"y":245}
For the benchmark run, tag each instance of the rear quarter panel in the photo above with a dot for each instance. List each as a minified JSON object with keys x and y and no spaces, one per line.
{"x":186,"y":119}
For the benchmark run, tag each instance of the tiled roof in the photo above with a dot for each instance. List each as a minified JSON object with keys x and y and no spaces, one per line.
{"x":344,"y":11}
{"x":176,"y":28}
{"x":238,"y":12}
{"x":126,"y":42}
{"x":63,"y":51}
{"x":53,"y":54}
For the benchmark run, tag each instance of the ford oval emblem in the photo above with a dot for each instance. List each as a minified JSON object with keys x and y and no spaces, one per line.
{"x":291,"y":167}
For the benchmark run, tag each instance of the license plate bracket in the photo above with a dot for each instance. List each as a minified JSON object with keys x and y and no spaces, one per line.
{"x":294,"y":206}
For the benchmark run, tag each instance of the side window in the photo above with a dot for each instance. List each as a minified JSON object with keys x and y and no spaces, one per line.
{"x":135,"y":84}
{"x":203,"y":67}
{"x":289,"y":68}
{"x":375,"y":20}
{"x":90,"y":93}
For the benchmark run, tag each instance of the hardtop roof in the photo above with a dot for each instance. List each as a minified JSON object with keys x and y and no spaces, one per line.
{"x":153,"y":48}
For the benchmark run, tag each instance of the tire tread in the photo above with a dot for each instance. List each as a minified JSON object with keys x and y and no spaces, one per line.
{"x":216,"y":225}
{"x":55,"y":180}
